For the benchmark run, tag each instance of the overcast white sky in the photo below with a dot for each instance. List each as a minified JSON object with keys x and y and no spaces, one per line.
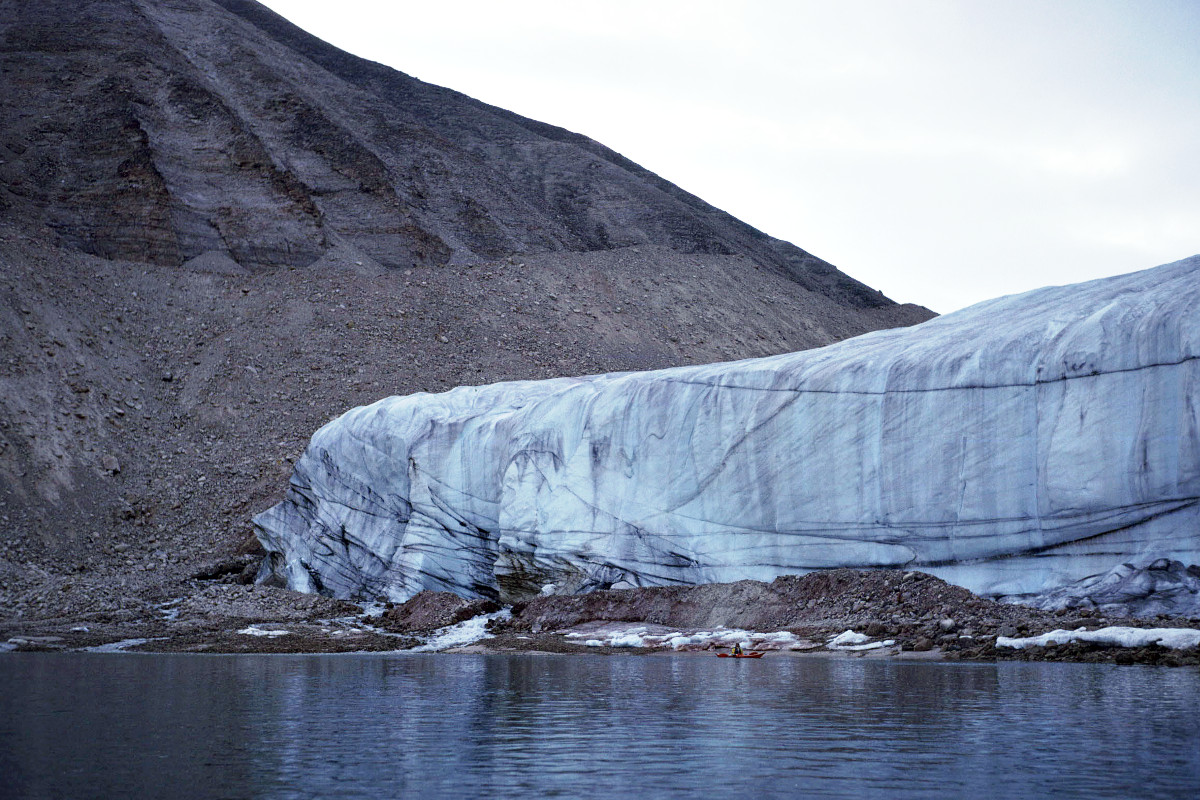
{"x":943,"y":152}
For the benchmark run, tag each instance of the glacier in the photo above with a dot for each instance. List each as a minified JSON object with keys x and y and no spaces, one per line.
{"x":1016,"y":446}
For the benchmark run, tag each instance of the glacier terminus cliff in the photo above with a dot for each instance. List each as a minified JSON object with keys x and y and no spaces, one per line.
{"x":1013,"y":447}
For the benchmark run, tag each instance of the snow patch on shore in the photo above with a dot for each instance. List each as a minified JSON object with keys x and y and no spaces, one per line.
{"x":170,"y":609}
{"x":463,"y":633}
{"x":852,"y":640}
{"x":659,"y":636}
{"x":370,"y":609}
{"x":1116,"y":636}
{"x":121,"y":646}
{"x":272,"y":633}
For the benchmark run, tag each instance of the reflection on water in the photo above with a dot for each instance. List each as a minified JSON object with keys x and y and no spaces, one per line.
{"x":82,"y":725}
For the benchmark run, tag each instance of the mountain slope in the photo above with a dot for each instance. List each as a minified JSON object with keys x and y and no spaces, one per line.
{"x":217,"y":232}
{"x":226,"y":128}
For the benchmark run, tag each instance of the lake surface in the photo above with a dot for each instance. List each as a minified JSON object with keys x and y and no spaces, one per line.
{"x":400,"y":725}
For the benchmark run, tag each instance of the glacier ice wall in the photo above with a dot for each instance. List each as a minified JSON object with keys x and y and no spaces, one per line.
{"x":1012,"y":447}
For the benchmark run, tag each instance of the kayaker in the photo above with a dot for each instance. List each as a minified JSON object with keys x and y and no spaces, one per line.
{"x":737,"y":649}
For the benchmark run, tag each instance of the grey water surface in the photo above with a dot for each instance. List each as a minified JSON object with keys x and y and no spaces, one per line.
{"x":406,"y":725}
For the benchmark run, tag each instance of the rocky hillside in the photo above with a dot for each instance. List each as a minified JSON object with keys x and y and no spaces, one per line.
{"x":217,"y":232}
{"x":157,"y":132}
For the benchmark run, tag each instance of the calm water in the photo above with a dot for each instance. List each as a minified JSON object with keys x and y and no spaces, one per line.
{"x":380,"y":726}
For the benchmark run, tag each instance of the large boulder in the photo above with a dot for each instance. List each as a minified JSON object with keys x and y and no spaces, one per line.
{"x":1012,"y":447}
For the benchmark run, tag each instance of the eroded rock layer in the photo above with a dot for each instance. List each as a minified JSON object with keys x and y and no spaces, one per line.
{"x":163,"y":132}
{"x":1012,"y":447}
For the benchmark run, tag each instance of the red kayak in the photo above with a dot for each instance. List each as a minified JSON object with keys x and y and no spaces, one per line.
{"x":743,"y":655}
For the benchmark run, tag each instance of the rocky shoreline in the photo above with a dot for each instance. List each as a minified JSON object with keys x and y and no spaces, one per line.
{"x":893,"y":614}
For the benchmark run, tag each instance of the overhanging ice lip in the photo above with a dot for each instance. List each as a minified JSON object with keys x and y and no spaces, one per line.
{"x":1010,"y":447}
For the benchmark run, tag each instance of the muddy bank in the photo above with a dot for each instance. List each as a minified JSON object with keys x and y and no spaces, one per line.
{"x":916,"y":614}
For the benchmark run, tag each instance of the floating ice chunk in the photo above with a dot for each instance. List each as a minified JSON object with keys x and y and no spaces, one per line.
{"x":1118,"y":636}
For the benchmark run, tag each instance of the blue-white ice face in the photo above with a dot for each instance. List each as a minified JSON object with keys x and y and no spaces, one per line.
{"x":1010,"y":447}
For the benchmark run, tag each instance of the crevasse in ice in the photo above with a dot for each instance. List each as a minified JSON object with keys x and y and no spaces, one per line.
{"x":1012,"y":447}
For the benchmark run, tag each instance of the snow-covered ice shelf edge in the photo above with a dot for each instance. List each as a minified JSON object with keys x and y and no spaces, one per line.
{"x":1011,"y":448}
